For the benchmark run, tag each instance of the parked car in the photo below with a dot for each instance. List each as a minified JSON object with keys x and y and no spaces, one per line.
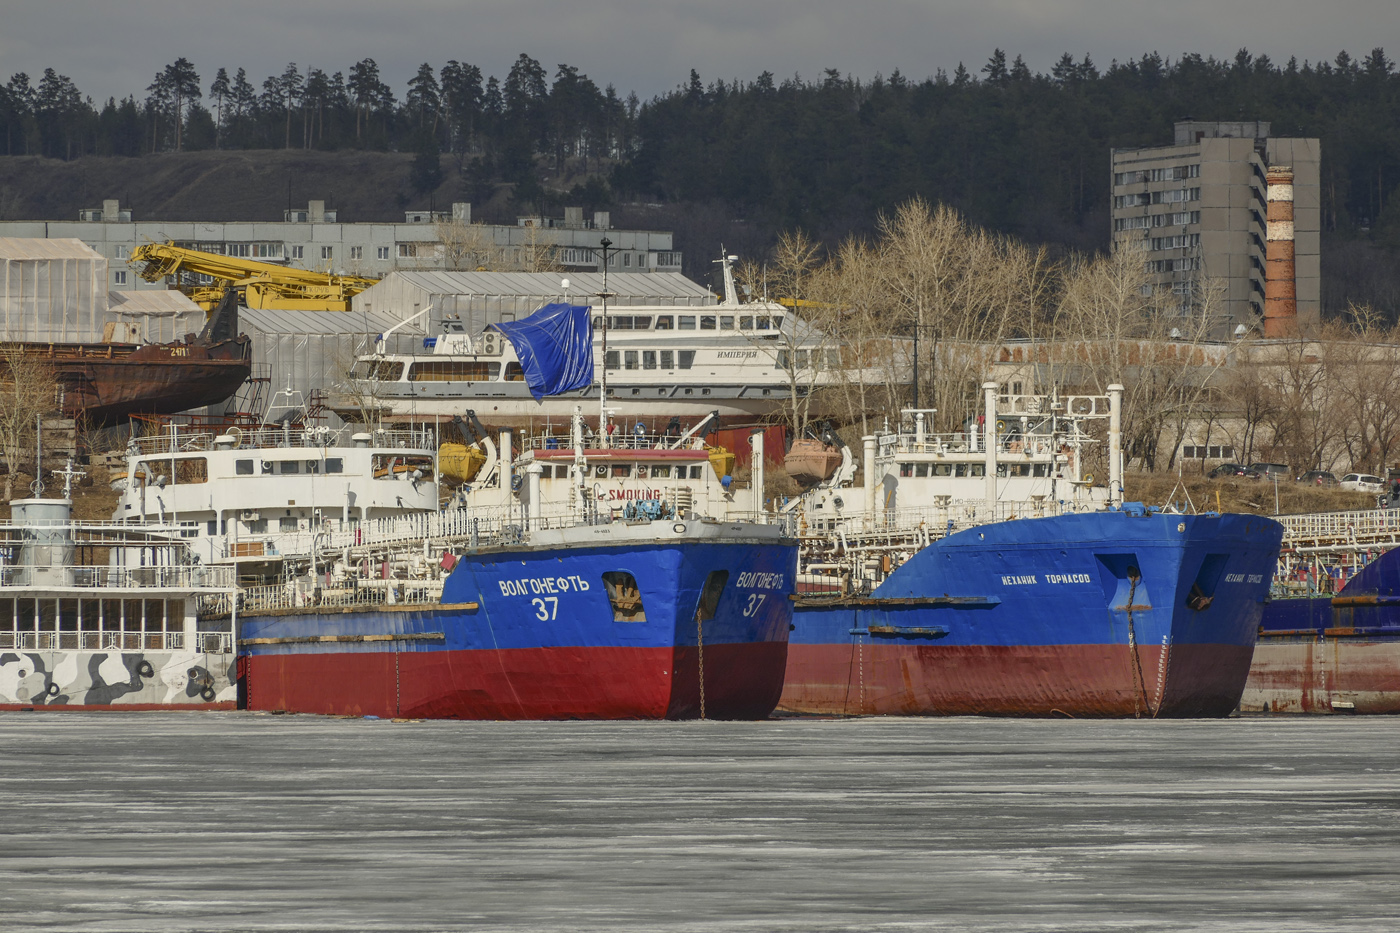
{"x":1270,"y":471}
{"x":1363,"y":482}
{"x":1318,"y":478}
{"x":1227,"y":469}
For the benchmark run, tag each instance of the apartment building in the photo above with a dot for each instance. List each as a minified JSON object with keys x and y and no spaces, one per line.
{"x":1197,"y":209}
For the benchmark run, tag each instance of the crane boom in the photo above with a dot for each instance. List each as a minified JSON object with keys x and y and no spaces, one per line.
{"x":263,"y":284}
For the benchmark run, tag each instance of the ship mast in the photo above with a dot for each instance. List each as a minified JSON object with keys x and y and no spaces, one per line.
{"x":604,"y":244}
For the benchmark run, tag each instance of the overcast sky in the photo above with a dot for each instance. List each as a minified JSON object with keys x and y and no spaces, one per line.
{"x":114,"y":47}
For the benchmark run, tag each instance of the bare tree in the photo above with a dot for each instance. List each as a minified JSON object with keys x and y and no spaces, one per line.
{"x":27,"y":390}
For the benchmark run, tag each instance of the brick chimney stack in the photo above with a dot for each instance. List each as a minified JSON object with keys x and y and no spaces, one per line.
{"x":1280,"y":290}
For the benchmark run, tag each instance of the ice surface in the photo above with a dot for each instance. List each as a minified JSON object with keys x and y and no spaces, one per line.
{"x":231,"y":821}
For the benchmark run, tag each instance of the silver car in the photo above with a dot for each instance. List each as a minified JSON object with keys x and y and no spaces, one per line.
{"x":1363,"y":482}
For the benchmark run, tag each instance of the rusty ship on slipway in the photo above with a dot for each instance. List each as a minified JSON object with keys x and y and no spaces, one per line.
{"x":105,"y":382}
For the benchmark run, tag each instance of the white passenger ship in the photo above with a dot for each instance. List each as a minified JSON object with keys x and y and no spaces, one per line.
{"x":95,"y":615}
{"x":662,"y":362}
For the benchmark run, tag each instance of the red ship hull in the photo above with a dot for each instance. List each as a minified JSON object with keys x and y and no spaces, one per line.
{"x":523,"y":683}
{"x":105,"y":383}
{"x":1029,"y":680}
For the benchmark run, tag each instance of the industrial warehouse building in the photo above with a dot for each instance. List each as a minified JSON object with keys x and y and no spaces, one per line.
{"x":313,"y":238}
{"x":55,"y":291}
{"x":1197,"y":209}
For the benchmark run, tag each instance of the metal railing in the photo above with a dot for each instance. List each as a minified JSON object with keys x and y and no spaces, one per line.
{"x":1369,"y":526}
{"x":941,"y":520}
{"x":184,"y":576}
{"x":344,"y":593}
{"x":202,"y":642}
{"x":275,"y":436}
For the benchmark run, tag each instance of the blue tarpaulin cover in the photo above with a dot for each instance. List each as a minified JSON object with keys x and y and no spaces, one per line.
{"x":555,"y":346}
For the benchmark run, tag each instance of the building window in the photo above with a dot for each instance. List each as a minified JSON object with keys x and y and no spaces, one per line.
{"x":627,"y":259}
{"x":382,"y":252}
{"x":297,"y":252}
{"x":327,"y":252}
{"x":357,"y":252}
{"x":237,"y":249}
{"x":119,"y":277}
{"x":266,"y":250}
{"x":123,"y":252}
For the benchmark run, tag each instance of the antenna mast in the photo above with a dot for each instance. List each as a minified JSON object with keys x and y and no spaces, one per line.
{"x":604,"y":244}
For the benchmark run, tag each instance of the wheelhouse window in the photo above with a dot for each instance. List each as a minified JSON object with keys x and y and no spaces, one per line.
{"x":726,"y":322}
{"x":707,"y":322}
{"x":668,"y":359}
{"x":454,"y":371}
{"x":687,"y":322}
{"x":625,"y":596}
{"x":335,"y":465}
{"x":614,"y":359}
{"x":666,"y":322}
{"x":514,"y":373}
{"x":630,"y":359}
{"x":381,"y":370}
{"x":648,"y":359}
{"x":687,"y":358}
{"x":243,"y":467}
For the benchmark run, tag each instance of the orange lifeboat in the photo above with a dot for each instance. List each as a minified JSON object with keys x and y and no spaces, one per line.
{"x":810,"y":461}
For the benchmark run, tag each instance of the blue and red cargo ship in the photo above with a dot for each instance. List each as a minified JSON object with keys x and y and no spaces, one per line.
{"x":635,"y":620}
{"x":1124,"y":612}
{"x":1332,"y":653}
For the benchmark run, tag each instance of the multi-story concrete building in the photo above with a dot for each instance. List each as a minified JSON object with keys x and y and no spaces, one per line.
{"x":313,"y":238}
{"x":1197,"y":209}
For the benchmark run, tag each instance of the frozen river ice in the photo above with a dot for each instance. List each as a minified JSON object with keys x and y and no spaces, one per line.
{"x":231,"y":821}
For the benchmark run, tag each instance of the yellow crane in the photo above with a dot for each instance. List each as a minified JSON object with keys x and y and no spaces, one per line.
{"x":261,"y":284}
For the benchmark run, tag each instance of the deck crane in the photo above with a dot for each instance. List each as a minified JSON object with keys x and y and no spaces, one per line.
{"x":260,"y":284}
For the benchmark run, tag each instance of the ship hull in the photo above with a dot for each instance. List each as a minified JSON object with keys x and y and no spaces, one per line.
{"x":1331,"y":654}
{"x":531,"y":634}
{"x":1033,"y":618}
{"x":116,"y":680}
{"x":520,"y":409}
{"x":106,"y":383}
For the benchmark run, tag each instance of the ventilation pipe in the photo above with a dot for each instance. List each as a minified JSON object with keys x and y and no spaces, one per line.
{"x":507,"y":462}
{"x":989,"y":391}
{"x":1280,"y":288}
{"x":532,"y":484}
{"x":1115,"y":444}
{"x":756,"y":473}
{"x":869,"y":468}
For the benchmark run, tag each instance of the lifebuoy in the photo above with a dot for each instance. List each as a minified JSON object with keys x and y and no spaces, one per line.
{"x":144,"y":669}
{"x":207,"y":694}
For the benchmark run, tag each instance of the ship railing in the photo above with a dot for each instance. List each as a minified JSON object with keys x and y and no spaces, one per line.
{"x":341,"y":591}
{"x":204,"y":642}
{"x":193,"y":577}
{"x":1008,"y":444}
{"x":1323,"y":529}
{"x":276,"y":436}
{"x":621,"y":440}
{"x":939,"y":520}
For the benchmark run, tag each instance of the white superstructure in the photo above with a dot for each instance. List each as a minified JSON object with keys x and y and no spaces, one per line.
{"x":662,"y":362}
{"x":254,"y":497}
